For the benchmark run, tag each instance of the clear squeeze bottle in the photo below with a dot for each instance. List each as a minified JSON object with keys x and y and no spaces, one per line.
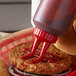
{"x":52,"y":19}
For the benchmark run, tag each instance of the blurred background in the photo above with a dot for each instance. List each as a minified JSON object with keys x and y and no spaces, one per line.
{"x":15,"y":15}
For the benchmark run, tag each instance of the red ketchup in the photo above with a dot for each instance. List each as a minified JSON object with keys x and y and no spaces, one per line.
{"x":51,"y":58}
{"x":52,"y":19}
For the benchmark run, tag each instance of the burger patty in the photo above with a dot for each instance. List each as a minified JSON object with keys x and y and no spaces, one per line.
{"x":43,"y":68}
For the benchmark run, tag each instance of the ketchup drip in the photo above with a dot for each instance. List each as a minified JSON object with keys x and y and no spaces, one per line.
{"x":51,"y":59}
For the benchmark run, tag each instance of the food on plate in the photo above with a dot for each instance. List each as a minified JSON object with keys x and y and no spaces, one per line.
{"x":57,"y":61}
{"x":3,"y":68}
{"x":54,"y":62}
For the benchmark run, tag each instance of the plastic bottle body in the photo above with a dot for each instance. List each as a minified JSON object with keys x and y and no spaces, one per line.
{"x":34,"y":6}
{"x":55,"y":16}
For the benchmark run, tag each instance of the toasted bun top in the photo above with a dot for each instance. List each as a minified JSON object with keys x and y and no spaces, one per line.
{"x":67,"y":43}
{"x":3,"y":68}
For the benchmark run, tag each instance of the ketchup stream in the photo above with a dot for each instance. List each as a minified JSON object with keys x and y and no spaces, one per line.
{"x":51,"y":59}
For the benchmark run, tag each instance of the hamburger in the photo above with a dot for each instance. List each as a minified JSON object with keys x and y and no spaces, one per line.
{"x":57,"y":60}
{"x":54,"y":62}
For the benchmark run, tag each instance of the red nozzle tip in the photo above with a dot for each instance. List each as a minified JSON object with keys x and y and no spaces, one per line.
{"x":41,"y":36}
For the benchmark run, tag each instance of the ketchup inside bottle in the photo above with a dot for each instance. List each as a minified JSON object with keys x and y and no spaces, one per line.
{"x":55,"y":16}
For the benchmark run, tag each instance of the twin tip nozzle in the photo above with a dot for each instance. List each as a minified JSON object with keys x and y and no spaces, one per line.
{"x":41,"y":36}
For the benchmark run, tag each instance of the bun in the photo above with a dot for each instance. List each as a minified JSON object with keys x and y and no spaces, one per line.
{"x":67,"y":43}
{"x":3,"y":68}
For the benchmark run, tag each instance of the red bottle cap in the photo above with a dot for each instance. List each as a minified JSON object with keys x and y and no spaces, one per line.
{"x":44,"y":36}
